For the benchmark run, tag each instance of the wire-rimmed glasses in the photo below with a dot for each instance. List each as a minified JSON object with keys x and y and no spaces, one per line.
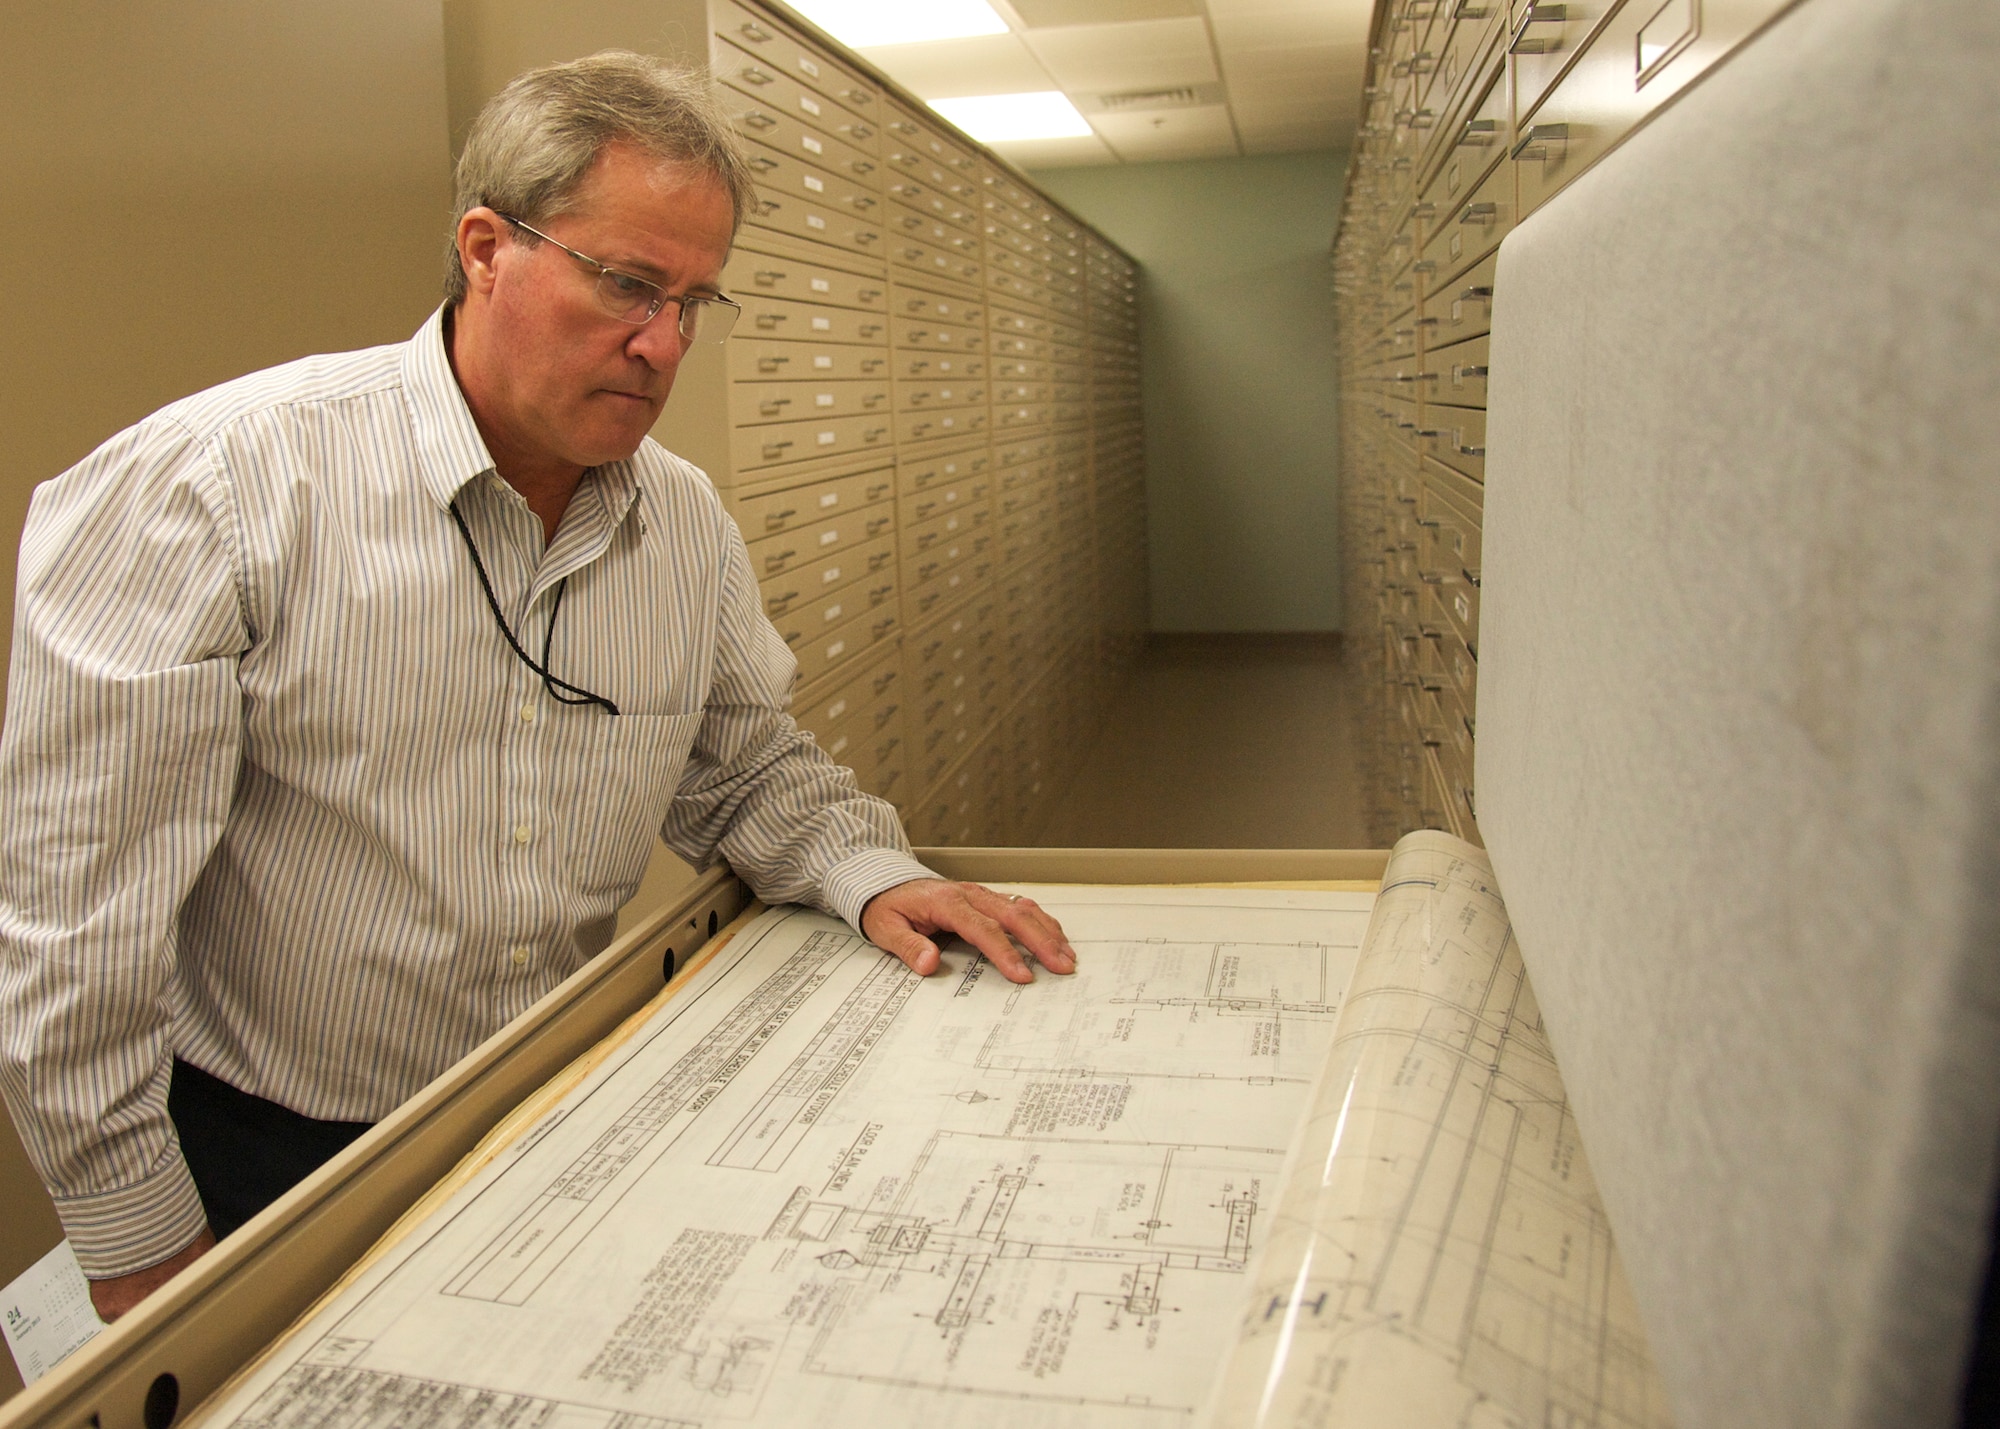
{"x":704,"y":318}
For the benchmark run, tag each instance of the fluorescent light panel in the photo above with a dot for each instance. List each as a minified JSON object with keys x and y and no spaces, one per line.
{"x":998,"y":118}
{"x":860,"y":23}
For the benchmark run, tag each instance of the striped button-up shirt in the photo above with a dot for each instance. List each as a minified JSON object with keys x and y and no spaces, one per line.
{"x":279,"y":799}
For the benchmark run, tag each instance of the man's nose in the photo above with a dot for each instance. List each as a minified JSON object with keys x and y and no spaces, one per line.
{"x":659,"y":343}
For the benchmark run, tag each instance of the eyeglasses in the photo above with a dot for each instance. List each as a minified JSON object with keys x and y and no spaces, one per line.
{"x":704,"y":317}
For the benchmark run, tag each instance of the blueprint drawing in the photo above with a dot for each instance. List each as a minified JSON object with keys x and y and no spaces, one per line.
{"x":813,"y":1188}
{"x":1439,"y":1258}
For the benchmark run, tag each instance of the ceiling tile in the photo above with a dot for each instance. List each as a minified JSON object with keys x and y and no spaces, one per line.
{"x":1268,"y":29}
{"x":1177,"y":133}
{"x":1056,"y":153}
{"x":1043,"y":14}
{"x":951,"y":69}
{"x":1145,"y":54}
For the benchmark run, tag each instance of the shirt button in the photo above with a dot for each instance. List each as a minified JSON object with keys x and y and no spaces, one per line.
{"x":522,"y":833}
{"x":520,"y":957}
{"x":527,"y":714}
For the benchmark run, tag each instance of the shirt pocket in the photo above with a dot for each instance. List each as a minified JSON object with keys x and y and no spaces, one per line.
{"x":617,"y":787}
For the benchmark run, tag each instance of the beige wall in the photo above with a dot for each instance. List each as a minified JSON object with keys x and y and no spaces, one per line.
{"x":197,"y":189}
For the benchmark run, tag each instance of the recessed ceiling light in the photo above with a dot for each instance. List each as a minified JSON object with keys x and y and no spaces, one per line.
{"x":861,"y":23}
{"x":997,"y":118}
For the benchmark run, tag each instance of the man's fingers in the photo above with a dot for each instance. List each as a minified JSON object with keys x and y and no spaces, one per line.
{"x":1041,"y":934}
{"x":989,"y":935}
{"x":919,"y":952}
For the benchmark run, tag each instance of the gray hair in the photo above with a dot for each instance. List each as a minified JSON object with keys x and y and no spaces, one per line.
{"x":535,"y":140}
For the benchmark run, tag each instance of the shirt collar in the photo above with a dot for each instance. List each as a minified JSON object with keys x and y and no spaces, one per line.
{"x":450,"y":451}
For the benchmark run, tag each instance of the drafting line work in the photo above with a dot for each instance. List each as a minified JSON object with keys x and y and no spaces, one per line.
{"x":814,"y":1185}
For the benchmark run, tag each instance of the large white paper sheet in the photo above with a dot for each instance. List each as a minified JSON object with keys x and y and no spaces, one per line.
{"x":815,"y":1189}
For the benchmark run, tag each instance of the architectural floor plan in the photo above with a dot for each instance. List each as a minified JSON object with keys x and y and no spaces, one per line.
{"x":814,"y":1188}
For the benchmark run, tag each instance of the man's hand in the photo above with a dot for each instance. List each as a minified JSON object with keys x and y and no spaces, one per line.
{"x":115,"y":1296}
{"x":900,"y":918}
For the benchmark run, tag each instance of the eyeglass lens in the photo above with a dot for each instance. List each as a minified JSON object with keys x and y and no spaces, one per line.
{"x":634,"y":300}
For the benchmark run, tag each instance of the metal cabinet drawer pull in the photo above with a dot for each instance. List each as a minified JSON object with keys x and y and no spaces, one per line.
{"x":864,"y":236}
{"x":774,"y":564}
{"x":772,"y":406}
{"x":1464,"y":450}
{"x":1480,"y":213}
{"x":753,"y":75}
{"x":776,"y":519}
{"x":755,"y":32}
{"x":759,"y":120}
{"x":763,"y":164}
{"x":767,"y":277}
{"x":775,"y":448}
{"x":1534,"y":144}
{"x":1479,"y":133}
{"x":1477,"y":294}
{"x":771,"y":320}
{"x":771,"y":364}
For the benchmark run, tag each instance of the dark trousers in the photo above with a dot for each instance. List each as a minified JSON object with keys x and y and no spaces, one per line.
{"x":245,"y":1152}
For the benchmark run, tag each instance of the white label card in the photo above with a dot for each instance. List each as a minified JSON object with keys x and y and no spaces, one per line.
{"x":46,"y":1313}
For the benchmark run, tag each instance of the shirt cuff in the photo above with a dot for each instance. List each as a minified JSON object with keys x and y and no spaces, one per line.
{"x":137,"y":1226}
{"x":849,"y":884}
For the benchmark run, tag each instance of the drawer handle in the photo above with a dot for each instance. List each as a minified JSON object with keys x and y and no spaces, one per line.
{"x":1476,"y":294}
{"x":1478,"y":370}
{"x":774,"y":564}
{"x":774,"y":405}
{"x":759,"y":120}
{"x":772,"y":449}
{"x":859,"y":96}
{"x":861,"y":166}
{"x":1487,"y":213}
{"x":1479,"y":133}
{"x":755,"y":32}
{"x":862,"y":202}
{"x":1464,"y":450}
{"x":874,"y":434}
{"x":771,"y":320}
{"x":870,"y":329}
{"x":776,"y":520}
{"x":777,"y":603}
{"x":1535,"y":143}
{"x":769,"y":277}
{"x":877,"y":492}
{"x":869,"y":295}
{"x":1469,"y":11}
{"x":861,"y":131}
{"x":771,"y":364}
{"x":763,"y":165}
{"x":753,"y":75}
{"x":862,"y":235}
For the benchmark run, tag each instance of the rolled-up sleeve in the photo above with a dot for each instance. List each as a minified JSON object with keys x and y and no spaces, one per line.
{"x":118,"y":763}
{"x":760,"y":792}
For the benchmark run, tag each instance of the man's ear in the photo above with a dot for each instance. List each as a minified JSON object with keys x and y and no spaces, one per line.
{"x":479,"y":241}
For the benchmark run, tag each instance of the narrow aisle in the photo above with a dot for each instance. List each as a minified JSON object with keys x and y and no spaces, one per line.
{"x":1222,"y":741}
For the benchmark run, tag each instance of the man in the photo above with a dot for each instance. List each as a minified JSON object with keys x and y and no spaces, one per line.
{"x":295,"y":816}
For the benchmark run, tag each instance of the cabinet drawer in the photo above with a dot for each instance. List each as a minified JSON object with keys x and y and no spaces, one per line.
{"x":912,"y":134}
{"x":1456,"y":374}
{"x":778,"y":277}
{"x":1031,"y":348}
{"x":777,"y":443}
{"x":821,"y":654}
{"x":907,"y":332}
{"x":752,"y":358}
{"x":938,"y":396}
{"x":938,"y":260}
{"x":914,"y":206}
{"x":1032,"y":414}
{"x":767,"y":317}
{"x":755,"y":34}
{"x":938,"y":533}
{"x":1017,"y":289}
{"x":769,"y":125}
{"x":858,"y":699}
{"x":916,"y":366}
{"x":802,"y":506}
{"x":804,"y":622}
{"x":766,"y":85}
{"x":1544,"y":39}
{"x":1470,"y":230}
{"x":811,"y":542}
{"x":949,"y":585}
{"x":1456,"y":436}
{"x":868,"y":566}
{"x":1022,"y":370}
{"x":922,"y":307}
{"x":1479,"y":141}
{"x":1463,"y":306}
{"x":968,"y":493}
{"x":919,"y":473}
{"x":934,"y":426}
{"x":1007,"y":320}
{"x":1450,"y":511}
{"x":759,"y":402}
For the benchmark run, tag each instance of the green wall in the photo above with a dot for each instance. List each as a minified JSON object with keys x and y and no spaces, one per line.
{"x":1238,"y":354}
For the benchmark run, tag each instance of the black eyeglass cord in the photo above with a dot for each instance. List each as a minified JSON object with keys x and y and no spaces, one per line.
{"x":554,"y":686}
